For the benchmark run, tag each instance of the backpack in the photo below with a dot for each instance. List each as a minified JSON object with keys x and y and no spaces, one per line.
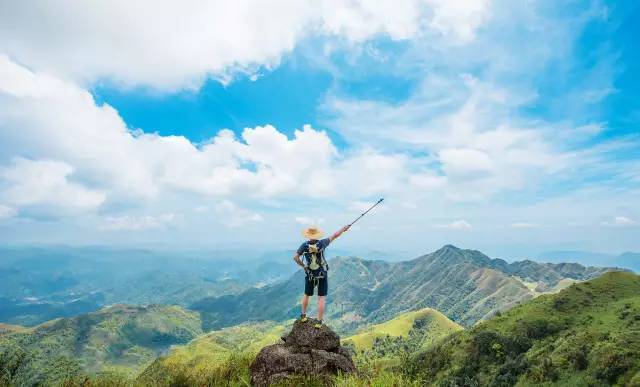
{"x":315,"y":260}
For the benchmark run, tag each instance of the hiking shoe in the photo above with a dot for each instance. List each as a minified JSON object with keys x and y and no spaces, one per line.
{"x":303,"y":318}
{"x":318,"y":325}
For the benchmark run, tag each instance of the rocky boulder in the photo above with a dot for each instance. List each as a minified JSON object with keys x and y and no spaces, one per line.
{"x":305,"y":351}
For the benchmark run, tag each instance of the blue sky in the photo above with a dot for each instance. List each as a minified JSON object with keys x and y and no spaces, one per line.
{"x":509,"y":128}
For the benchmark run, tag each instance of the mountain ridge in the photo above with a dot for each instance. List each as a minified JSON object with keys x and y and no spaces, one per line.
{"x":465,"y":285}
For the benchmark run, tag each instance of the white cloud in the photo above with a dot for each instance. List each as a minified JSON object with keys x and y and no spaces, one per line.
{"x":169,"y":45}
{"x":7,"y":212}
{"x":458,"y":18}
{"x":309,"y":221}
{"x":456,"y":225}
{"x":137,"y":223}
{"x":56,"y":120}
{"x":233,"y":216}
{"x":428,"y":180}
{"x":95,"y":159}
{"x":621,"y":221}
{"x":465,"y":163}
{"x":35,"y":184}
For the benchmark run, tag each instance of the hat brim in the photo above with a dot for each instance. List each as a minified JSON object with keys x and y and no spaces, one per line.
{"x":312,"y":235}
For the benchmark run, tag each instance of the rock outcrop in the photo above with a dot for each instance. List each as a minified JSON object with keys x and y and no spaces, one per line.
{"x":305,"y":351}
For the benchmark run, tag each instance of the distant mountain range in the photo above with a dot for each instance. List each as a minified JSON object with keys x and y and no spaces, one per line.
{"x":39,"y":284}
{"x":465,"y":285}
{"x":628,"y":260}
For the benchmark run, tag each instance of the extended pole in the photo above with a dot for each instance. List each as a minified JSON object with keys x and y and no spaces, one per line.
{"x":364,"y":213}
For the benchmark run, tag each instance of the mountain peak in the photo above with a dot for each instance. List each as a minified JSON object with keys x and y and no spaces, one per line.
{"x":448,"y":248}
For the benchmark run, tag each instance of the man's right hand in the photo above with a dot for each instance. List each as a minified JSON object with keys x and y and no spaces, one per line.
{"x":306,"y":270}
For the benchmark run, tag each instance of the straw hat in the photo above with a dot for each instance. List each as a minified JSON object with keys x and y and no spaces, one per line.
{"x":312,"y":233}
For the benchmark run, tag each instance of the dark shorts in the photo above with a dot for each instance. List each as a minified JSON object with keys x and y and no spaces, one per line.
{"x":321,"y":283}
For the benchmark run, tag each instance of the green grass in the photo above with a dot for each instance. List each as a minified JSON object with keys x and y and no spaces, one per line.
{"x":215,"y":348}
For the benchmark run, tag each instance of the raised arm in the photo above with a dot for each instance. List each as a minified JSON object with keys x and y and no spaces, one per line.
{"x":339,"y":232}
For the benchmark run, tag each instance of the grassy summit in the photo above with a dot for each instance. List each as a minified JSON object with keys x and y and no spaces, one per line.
{"x":431,"y":324}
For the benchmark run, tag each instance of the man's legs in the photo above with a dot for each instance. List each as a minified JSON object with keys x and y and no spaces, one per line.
{"x":321,"y":307}
{"x":305,"y":303}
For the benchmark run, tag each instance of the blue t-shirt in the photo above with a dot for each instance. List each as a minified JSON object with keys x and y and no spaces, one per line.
{"x":321,"y":245}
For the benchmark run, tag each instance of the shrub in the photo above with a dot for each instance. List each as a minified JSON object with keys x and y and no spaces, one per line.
{"x":578,"y":357}
{"x":427,"y":363}
{"x":611,"y":363}
{"x":538,"y":328}
{"x":510,"y":371}
{"x":544,"y":372}
{"x":493,"y":346}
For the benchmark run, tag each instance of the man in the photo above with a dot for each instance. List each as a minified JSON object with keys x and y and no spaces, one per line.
{"x":315,"y":268}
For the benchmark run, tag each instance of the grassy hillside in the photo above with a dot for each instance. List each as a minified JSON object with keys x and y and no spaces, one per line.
{"x":588,"y":334}
{"x":214,"y":347}
{"x":226,"y":353}
{"x":118,"y":339}
{"x":428,"y":324}
{"x":585,"y":335}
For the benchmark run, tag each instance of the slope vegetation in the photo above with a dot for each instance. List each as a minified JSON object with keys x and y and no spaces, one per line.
{"x":588,"y":334}
{"x":117,"y":339}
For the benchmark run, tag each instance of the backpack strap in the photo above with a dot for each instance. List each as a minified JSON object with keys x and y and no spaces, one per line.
{"x":315,"y":256}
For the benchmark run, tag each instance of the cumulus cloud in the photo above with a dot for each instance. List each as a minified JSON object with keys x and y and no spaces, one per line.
{"x":458,"y":19}
{"x":87,"y":156}
{"x":137,"y":223}
{"x":169,"y":45}
{"x":235,"y":216}
{"x":456,"y":225}
{"x":38,"y":184}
